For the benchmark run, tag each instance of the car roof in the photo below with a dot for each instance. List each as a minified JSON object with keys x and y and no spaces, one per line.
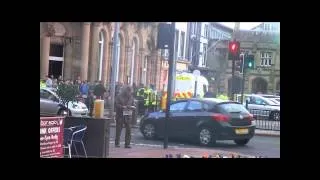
{"x":208,"y":100}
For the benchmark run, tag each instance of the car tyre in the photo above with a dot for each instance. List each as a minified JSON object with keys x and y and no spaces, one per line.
{"x":275,"y":116}
{"x":241,"y":142}
{"x":206,"y":136}
{"x":149,"y":131}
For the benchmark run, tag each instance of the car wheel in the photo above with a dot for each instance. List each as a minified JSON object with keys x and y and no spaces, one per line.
{"x":206,"y":136}
{"x":241,"y":142}
{"x":149,"y":131}
{"x":275,"y":116}
{"x":63,"y":112}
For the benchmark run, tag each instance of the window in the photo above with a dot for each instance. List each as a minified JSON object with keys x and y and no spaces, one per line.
{"x":267,"y":27}
{"x":206,"y":34}
{"x":46,"y":95}
{"x":194,"y":106}
{"x":259,"y":101}
{"x":182,"y":39}
{"x":266,"y":59}
{"x":56,"y":50}
{"x":178,"y":107}
{"x":204,"y":62}
{"x":232,"y":108}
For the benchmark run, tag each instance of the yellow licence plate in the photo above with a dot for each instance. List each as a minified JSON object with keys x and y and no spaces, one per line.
{"x":242,"y":131}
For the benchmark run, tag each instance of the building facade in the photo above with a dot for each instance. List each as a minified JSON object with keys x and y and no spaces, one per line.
{"x":265,"y":77}
{"x":84,"y":49}
{"x":264,"y":45}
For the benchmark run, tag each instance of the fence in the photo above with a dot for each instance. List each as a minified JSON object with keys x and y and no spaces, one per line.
{"x":266,"y":119}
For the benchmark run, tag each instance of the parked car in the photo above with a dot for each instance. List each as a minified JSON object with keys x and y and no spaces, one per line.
{"x":204,"y":120}
{"x":51,"y":105}
{"x":264,"y":108}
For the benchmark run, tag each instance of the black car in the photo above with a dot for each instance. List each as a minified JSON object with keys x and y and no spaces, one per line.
{"x":205,"y":120}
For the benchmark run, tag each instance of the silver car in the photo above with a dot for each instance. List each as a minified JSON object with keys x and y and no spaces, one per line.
{"x":51,"y":105}
{"x":265,"y":107}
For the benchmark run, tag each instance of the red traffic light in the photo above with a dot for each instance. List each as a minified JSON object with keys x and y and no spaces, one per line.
{"x":234,"y":47}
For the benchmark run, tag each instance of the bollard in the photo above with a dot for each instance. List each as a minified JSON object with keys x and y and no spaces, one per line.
{"x":98,"y":108}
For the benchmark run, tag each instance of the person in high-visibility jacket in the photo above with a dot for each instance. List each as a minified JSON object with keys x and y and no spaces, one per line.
{"x":42,"y":84}
{"x":140,"y":98}
{"x":153,"y":100}
{"x":223,"y":97}
{"x":148,"y":99}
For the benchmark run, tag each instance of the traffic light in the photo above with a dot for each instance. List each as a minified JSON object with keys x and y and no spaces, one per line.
{"x":234,"y":49}
{"x":249,"y":62}
{"x":239,"y":64}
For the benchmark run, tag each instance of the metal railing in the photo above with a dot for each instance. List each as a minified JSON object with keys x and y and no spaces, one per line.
{"x":266,"y":119}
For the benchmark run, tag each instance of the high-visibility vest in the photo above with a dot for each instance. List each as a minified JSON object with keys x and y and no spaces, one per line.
{"x":42,"y":85}
{"x":147,"y":97}
{"x":154,"y":98}
{"x":140,"y":92}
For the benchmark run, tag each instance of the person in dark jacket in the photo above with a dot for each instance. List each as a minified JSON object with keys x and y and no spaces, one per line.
{"x":99,"y":90}
{"x":123,"y":100}
{"x":210,"y":93}
{"x":89,"y":101}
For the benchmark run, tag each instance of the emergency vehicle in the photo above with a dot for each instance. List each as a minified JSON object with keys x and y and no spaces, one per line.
{"x":185,"y":86}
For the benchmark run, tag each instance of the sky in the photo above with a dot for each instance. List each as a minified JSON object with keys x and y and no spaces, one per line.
{"x":243,"y":25}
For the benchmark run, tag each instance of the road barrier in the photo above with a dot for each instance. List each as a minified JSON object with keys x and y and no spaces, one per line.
{"x":266,"y":119}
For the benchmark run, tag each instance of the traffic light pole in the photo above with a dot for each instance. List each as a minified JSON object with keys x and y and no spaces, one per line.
{"x":232,"y":77}
{"x":169,"y":87}
{"x":243,"y":80}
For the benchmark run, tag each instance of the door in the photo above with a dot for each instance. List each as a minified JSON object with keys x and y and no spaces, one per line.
{"x":194,"y":113}
{"x":55,"y":68}
{"x":177,"y":113}
{"x":49,"y":104}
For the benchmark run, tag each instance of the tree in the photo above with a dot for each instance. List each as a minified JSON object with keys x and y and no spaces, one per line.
{"x":68,"y":93}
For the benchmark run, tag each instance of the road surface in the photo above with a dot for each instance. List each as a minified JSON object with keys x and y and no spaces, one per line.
{"x":258,"y":146}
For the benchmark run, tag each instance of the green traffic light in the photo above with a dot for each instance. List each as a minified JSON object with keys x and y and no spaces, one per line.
{"x":250,"y":64}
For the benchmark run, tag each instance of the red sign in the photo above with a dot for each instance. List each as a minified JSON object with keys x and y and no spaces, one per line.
{"x":51,"y":137}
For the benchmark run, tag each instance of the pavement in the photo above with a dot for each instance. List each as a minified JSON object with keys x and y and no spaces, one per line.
{"x":140,"y":151}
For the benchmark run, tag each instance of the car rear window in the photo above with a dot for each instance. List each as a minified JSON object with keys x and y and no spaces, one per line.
{"x":232,"y":108}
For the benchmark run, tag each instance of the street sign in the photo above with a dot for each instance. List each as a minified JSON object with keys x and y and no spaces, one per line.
{"x":51,"y":137}
{"x":196,"y":73}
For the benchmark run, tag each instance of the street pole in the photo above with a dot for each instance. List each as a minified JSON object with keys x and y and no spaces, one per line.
{"x":169,"y":87}
{"x":114,"y":66}
{"x":232,"y":78}
{"x":243,"y":76}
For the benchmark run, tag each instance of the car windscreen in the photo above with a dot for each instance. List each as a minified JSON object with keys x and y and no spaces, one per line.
{"x":232,"y":108}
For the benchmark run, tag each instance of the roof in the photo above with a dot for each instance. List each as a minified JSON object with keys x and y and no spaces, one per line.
{"x":222,"y":27}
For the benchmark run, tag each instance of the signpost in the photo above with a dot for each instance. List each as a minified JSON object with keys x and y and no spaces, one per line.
{"x":51,"y":137}
{"x":196,"y":73}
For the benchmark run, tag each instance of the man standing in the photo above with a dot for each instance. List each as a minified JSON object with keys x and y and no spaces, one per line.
{"x":49,"y":82}
{"x":99,"y":90}
{"x":210,"y":93}
{"x":123,"y":100}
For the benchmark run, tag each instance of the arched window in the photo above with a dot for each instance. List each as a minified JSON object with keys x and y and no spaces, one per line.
{"x":100,"y":59}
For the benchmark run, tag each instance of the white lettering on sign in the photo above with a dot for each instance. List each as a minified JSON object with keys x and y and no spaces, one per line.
{"x":43,"y":123}
{"x":43,"y":130}
{"x":54,"y":130}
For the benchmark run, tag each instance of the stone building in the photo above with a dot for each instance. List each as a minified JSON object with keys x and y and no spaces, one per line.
{"x":264,"y":45}
{"x":265,"y":77}
{"x":84,"y":49}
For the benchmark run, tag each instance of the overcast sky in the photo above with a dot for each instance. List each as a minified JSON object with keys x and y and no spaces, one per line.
{"x":243,"y":25}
